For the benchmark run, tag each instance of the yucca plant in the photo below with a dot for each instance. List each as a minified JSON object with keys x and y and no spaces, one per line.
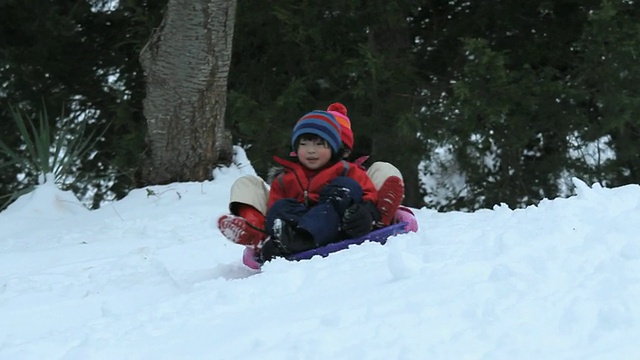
{"x":46,"y":152}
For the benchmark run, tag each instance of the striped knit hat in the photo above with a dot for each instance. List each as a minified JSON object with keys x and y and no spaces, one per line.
{"x":319,"y":123}
{"x":339,"y":111}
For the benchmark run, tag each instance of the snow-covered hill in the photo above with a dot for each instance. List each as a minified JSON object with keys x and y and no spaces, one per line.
{"x":150,"y":277}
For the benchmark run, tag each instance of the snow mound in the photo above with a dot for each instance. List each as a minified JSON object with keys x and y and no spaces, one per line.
{"x":46,"y":201}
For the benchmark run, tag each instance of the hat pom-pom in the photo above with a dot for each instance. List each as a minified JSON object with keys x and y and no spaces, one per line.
{"x":338,"y":108}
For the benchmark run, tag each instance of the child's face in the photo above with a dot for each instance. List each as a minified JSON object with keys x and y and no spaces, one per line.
{"x":313,"y":153}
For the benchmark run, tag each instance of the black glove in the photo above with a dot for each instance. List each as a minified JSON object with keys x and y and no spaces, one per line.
{"x":358,"y":219}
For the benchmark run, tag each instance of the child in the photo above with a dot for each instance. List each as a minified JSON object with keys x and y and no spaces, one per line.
{"x":249,"y":194}
{"x":319,"y":198}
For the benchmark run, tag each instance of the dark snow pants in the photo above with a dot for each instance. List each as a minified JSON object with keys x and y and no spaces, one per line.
{"x":323,"y":220}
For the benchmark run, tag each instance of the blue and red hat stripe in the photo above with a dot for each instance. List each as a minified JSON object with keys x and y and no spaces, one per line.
{"x":319,"y":123}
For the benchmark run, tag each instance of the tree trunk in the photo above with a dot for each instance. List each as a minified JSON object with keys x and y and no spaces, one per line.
{"x":186,"y":65}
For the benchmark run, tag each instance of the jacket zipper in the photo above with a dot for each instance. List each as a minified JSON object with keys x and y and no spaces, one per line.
{"x":305,"y":191}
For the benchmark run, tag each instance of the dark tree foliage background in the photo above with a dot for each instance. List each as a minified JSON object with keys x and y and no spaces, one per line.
{"x":295,"y":57}
{"x":512,"y":91}
{"x":527,"y":78}
{"x":69,"y":56}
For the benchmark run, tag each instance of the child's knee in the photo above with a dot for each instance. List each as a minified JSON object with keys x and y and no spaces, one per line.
{"x":249,"y":190}
{"x":341,"y":192}
{"x":283,"y":206}
{"x":343,"y":187}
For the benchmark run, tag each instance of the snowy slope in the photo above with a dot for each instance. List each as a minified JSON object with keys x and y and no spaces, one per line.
{"x":150,"y":277}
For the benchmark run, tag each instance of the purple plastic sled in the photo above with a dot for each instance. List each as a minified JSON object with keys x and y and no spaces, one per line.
{"x":249,"y":258}
{"x":405,"y":222}
{"x":404,"y":214}
{"x":379,"y":235}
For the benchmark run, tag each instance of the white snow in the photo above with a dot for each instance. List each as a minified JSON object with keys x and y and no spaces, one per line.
{"x":151,"y":277}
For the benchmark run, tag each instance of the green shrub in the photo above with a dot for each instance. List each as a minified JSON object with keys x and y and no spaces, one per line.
{"x":45,"y":150}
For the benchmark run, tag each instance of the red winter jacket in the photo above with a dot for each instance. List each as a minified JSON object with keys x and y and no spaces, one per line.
{"x":293,"y":182}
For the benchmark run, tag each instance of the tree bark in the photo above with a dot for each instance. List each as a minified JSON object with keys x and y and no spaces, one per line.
{"x":186,"y":65}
